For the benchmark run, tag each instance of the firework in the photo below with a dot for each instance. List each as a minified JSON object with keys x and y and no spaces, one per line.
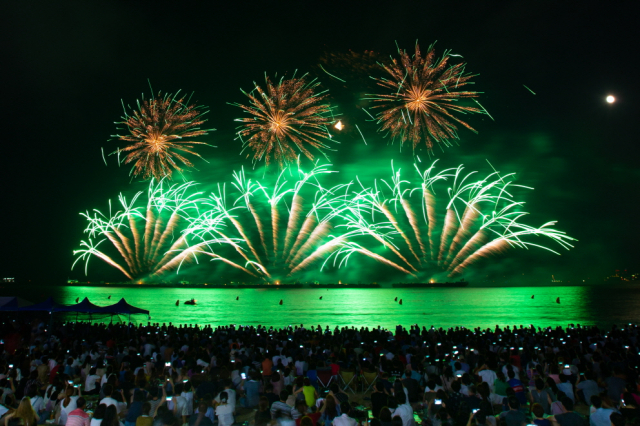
{"x":161,"y":130}
{"x":351,"y":65}
{"x":287,"y":119}
{"x":427,"y":234}
{"x":277,"y":230}
{"x":147,"y":241}
{"x":420,"y":103}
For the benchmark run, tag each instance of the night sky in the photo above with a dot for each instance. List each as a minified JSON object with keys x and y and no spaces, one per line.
{"x":67,"y":65}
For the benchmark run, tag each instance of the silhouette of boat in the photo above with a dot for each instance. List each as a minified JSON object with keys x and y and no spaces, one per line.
{"x":190,"y":302}
{"x":430,"y":285}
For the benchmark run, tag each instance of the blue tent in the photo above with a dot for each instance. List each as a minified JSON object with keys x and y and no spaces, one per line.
{"x":84,"y":307}
{"x":47,"y":306}
{"x":9,"y":304}
{"x":122,"y":307}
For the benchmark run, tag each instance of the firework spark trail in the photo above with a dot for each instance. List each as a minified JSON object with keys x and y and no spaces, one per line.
{"x":363,"y":139}
{"x":92,"y":250}
{"x":355,"y":226}
{"x":328,"y":73}
{"x":450,"y":222}
{"x":497,"y":223}
{"x":159,"y":130}
{"x":429,"y":201}
{"x":350,"y":248}
{"x":462,"y":234}
{"x":318,"y":232}
{"x":452,"y":218}
{"x":294,"y":215}
{"x":245,"y":187}
{"x":303,"y":235}
{"x":326,"y":200}
{"x":359,"y":226}
{"x":182,"y":255}
{"x":490,"y":249}
{"x":296,"y":204}
{"x":220,"y":207}
{"x":409,"y":213}
{"x":149,"y":224}
{"x":479,"y":192}
{"x":323,"y":249}
{"x":475,"y":242}
{"x":372,"y":197}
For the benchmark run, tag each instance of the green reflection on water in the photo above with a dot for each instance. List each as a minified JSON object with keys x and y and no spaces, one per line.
{"x":444,"y":307}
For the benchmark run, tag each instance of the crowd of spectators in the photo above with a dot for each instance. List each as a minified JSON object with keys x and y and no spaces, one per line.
{"x":82,"y":374}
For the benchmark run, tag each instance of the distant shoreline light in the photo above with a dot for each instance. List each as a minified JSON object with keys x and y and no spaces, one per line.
{"x":611,"y":99}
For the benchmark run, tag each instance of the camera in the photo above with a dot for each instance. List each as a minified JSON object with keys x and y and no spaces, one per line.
{"x":438,"y":402}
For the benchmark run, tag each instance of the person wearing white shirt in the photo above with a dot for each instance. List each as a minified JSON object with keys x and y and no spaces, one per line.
{"x":344,"y":419}
{"x":67,"y":405}
{"x":224,"y":411}
{"x":489,"y":376}
{"x":231,"y":396}
{"x":90,"y":382}
{"x":404,"y":410}
{"x":108,"y":400}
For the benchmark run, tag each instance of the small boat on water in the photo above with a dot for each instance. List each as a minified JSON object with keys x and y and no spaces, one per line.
{"x":190,"y":302}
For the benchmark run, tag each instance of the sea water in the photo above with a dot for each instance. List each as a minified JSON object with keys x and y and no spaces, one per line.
{"x":442,"y":307}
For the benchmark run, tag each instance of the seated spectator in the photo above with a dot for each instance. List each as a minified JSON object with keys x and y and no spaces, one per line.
{"x":570,"y":418}
{"x":517,"y":387}
{"x":145,"y":418}
{"x":329,"y":410}
{"x":200,"y":418}
{"x":224,"y":411}
{"x":538,"y":415}
{"x":24,"y":415}
{"x":263,"y":414}
{"x":513,"y":417}
{"x":586,"y":388}
{"x":404,"y":410}
{"x":600,"y":417}
{"x":344,"y":419}
{"x":280,"y":409}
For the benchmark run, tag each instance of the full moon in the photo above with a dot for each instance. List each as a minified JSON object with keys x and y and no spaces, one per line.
{"x":611,"y":99}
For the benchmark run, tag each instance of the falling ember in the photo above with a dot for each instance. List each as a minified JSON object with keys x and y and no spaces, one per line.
{"x":339,"y":125}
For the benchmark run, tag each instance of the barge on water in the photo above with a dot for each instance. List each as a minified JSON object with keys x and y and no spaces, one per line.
{"x":430,"y":285}
{"x":371,"y":285}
